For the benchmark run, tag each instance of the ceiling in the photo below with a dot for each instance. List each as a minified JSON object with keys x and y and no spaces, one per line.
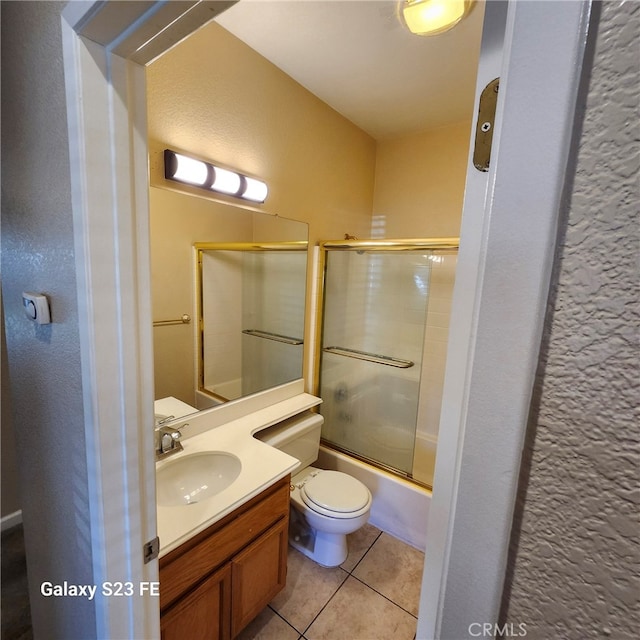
{"x":356,"y":56}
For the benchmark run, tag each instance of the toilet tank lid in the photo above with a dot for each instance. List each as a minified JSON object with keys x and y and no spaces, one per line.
{"x":293,"y":427}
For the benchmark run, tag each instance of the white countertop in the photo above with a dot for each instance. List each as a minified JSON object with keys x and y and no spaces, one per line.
{"x":262,"y":465}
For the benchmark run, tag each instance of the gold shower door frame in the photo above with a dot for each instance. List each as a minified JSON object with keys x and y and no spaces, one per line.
{"x":405,"y":244}
{"x":202,"y":247}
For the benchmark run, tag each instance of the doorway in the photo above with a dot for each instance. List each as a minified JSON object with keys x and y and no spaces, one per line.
{"x":480,"y":316}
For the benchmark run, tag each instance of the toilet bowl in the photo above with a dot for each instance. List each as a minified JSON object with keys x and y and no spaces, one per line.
{"x":325,"y":505}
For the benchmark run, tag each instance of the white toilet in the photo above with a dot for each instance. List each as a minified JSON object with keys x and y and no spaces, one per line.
{"x":325,"y":505}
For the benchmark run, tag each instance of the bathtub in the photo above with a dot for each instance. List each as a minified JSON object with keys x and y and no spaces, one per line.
{"x":205,"y":401}
{"x":399,"y":507}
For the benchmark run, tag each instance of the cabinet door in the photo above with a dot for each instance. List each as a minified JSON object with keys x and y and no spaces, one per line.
{"x":257,"y":575}
{"x":202,"y":614}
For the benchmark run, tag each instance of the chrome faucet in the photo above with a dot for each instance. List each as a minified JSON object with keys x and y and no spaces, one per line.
{"x":168,"y":441}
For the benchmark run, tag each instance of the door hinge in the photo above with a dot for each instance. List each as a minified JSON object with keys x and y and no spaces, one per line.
{"x":151,"y":550}
{"x":484,"y":125}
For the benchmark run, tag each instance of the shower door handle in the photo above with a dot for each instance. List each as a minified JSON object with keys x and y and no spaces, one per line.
{"x":370,"y":357}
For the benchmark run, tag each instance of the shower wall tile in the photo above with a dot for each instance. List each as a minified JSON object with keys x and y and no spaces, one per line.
{"x":222,"y":301}
{"x":372,"y":307}
{"x":432,"y":375}
{"x":441,"y":289}
{"x":424,"y":458}
{"x":434,"y":355}
{"x":436,"y":333}
{"x":435,"y":349}
{"x":275,"y":292}
{"x":439,"y":304}
{"x":438,"y":319}
{"x":445,"y":270}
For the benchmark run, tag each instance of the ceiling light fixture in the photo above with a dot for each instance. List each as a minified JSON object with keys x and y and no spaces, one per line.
{"x":431,"y":17}
{"x":181,"y":168}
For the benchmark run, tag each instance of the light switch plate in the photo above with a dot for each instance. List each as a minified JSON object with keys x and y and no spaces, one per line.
{"x":36,"y":306}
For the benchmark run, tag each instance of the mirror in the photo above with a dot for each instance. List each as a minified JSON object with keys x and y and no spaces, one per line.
{"x":251,"y":277}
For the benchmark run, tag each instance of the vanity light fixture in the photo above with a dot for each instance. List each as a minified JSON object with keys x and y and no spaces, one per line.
{"x":226,"y":181}
{"x":187,"y":170}
{"x":255,"y":190}
{"x":431,"y":17}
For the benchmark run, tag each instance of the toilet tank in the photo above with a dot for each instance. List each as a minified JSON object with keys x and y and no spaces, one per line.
{"x":298,"y":436}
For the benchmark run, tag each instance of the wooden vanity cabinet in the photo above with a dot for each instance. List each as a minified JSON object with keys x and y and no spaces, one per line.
{"x":201,"y":613}
{"x":213,"y":585}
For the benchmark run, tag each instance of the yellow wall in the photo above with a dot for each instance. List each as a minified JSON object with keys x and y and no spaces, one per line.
{"x":419,"y":183}
{"x":218,"y":99}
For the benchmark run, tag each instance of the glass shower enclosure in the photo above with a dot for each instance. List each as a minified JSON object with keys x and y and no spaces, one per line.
{"x":251,"y":305}
{"x":381,"y":357}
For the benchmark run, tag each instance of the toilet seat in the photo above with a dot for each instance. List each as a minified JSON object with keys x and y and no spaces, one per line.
{"x":335,"y":494}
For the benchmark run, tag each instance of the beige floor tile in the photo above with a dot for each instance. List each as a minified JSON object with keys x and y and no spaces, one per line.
{"x":309,"y":588}
{"x":372,"y":618}
{"x":358,"y":544}
{"x":268,"y":626}
{"x":394,"y":569}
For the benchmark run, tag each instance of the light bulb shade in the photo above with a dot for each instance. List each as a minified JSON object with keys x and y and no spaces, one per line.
{"x":226,"y":181}
{"x":181,"y":168}
{"x":254,"y":190}
{"x":184,"y":169}
{"x":431,"y":17}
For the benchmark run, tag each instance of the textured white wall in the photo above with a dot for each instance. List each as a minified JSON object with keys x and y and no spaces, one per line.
{"x":44,"y":362}
{"x":10,"y":499}
{"x":574,"y":548}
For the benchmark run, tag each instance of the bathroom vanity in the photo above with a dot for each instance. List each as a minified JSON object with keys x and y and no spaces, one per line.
{"x":223,"y":554}
{"x":213,"y":585}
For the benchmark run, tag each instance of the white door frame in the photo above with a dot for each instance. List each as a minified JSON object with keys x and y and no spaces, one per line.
{"x":508,"y":241}
{"x":504,"y":266}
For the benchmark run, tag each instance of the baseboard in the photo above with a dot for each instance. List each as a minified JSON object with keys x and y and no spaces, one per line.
{"x":12,"y":520}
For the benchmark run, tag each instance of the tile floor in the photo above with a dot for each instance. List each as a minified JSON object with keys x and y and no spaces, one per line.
{"x":373,"y":595}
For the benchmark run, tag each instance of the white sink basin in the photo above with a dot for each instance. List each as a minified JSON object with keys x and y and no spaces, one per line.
{"x":195,"y":477}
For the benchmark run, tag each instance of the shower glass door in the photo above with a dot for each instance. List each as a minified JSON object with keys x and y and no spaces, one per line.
{"x":375,"y":305}
{"x":272,"y":318}
{"x":251,"y":316}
